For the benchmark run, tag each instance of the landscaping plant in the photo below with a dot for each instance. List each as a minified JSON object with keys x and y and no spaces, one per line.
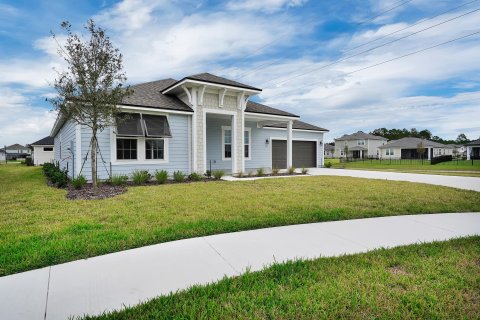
{"x":118,"y":180}
{"x":275,"y":171}
{"x":178,"y":176}
{"x":161,"y":176}
{"x":328,"y":165}
{"x":260,"y":172}
{"x":291,"y":170}
{"x":304,"y":170}
{"x":140,"y":176}
{"x":79,"y":182}
{"x":195,"y":177}
{"x":218,"y":174}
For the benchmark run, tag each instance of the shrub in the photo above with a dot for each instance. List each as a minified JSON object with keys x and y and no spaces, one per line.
{"x":118,"y":180}
{"x":275,"y":171}
{"x":79,"y":182}
{"x":179,"y":176}
{"x":240,"y":174}
{"x":218,"y":174}
{"x":291,"y":170}
{"x":328,"y":165}
{"x":250,"y":173}
{"x":23,"y":162}
{"x":140,"y":176}
{"x":29,"y":161}
{"x":260,"y":172}
{"x":161,"y":176}
{"x":195,"y":177}
{"x":208,"y":173}
{"x":304,"y":170}
{"x":59,"y":178}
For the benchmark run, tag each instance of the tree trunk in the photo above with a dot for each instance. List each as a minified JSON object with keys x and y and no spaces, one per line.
{"x":94,"y":157}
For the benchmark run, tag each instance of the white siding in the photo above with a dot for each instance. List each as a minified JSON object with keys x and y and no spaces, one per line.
{"x":63,"y":142}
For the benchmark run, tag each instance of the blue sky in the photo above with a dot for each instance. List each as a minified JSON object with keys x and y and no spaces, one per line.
{"x":281,"y":46}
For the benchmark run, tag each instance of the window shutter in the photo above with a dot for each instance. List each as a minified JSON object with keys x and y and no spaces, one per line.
{"x":156,"y":126}
{"x":130,"y":125}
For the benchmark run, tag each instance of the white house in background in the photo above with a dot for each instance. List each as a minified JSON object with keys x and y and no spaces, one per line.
{"x":195,"y":124}
{"x":473,"y":150}
{"x":461,"y":150}
{"x":407,"y":148}
{"x":43,"y":151}
{"x":358,"y":145}
{"x":329,"y":151}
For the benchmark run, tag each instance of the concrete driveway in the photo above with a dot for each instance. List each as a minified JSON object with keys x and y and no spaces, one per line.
{"x":466,"y":183}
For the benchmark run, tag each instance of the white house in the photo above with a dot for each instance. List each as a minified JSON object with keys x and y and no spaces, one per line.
{"x":17,"y":151}
{"x":195,"y":124}
{"x":473,"y":150}
{"x":407,"y":148}
{"x":358,"y":145}
{"x":329,"y":151}
{"x":43,"y":151}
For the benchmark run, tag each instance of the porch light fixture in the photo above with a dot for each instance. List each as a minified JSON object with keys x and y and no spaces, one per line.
{"x":320,"y":142}
{"x":267,"y":141}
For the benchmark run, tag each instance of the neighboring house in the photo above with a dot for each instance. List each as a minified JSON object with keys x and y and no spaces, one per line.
{"x":199,"y":123}
{"x":473,"y":150}
{"x":2,"y":155}
{"x":329,"y":151}
{"x":17,"y":151}
{"x":359,"y":145}
{"x":461,"y":150}
{"x":43,"y":151}
{"x":407,"y":148}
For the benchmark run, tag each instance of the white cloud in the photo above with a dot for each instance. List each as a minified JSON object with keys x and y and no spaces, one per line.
{"x":20,"y":121}
{"x":268,"y":6}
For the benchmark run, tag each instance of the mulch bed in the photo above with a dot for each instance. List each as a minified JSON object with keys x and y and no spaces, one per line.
{"x":104,"y":190}
{"x":89,"y":193}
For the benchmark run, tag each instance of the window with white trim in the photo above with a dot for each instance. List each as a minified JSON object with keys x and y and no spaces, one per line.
{"x":360,"y":142}
{"x":247,"y":143}
{"x":126,"y":149}
{"x":227,"y":143}
{"x":155,"y":149}
{"x":389,"y":152}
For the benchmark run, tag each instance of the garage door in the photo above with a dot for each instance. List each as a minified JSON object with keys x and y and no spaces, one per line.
{"x":304,"y":154}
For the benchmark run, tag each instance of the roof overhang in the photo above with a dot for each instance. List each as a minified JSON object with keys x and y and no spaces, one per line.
{"x":176,"y":88}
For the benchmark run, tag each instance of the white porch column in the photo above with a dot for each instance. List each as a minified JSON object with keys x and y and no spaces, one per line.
{"x":234,"y":144}
{"x":289,"y":143}
{"x":322,"y":159}
{"x":428,"y":155}
{"x":468,"y":153}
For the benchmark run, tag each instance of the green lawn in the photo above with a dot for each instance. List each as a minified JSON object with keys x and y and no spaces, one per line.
{"x":460,"y":167}
{"x":40,"y":227}
{"x":428,"y":281}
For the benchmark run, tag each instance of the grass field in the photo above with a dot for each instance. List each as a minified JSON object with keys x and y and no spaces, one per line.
{"x":428,"y":281}
{"x":460,"y":167}
{"x":40,"y":227}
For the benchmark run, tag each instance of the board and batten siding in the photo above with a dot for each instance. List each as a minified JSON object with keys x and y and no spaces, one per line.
{"x":178,"y":155}
{"x":63,"y":141}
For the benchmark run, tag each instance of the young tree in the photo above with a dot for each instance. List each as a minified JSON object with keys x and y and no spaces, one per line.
{"x":345,"y":150}
{"x":421,"y":149}
{"x":92,"y":86}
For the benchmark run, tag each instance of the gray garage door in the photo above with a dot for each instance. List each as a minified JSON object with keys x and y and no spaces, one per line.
{"x":304,"y":154}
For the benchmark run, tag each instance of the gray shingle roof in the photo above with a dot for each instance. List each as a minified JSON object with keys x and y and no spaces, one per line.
{"x":474,"y":143}
{"x":411,"y":143}
{"x":300,"y":125}
{"x":16,"y":146}
{"x":211,"y":78}
{"x":149,"y":95}
{"x":328,"y":147}
{"x":256,"y":107}
{"x":360,"y":135}
{"x":47,"y":141}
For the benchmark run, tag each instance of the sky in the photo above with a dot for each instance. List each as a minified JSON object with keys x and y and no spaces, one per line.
{"x":342,"y":65}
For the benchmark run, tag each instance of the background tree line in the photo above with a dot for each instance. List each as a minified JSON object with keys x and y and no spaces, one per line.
{"x":394,"y":134}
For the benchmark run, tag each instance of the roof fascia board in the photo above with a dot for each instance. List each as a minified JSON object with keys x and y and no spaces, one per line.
{"x":269,"y":115}
{"x":214,"y":84}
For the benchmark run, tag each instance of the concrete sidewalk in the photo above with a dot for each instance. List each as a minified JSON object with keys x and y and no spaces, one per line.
{"x":466,"y":183}
{"x":126,"y":278}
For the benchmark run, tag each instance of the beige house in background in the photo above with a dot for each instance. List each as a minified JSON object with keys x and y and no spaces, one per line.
{"x":358,"y":145}
{"x":407,"y":148}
